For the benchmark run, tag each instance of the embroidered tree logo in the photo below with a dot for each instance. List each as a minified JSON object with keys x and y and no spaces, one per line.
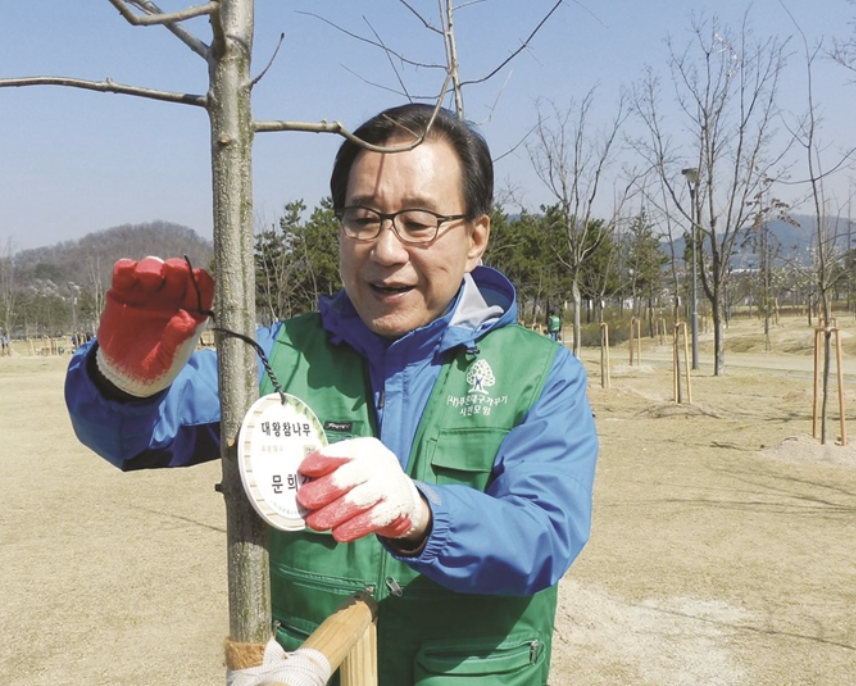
{"x":480,"y":377}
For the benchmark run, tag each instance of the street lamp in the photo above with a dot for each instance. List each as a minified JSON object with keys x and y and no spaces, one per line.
{"x":691,"y":174}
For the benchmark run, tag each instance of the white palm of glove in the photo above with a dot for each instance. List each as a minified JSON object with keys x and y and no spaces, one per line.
{"x":359,"y":488}
{"x":304,"y":667}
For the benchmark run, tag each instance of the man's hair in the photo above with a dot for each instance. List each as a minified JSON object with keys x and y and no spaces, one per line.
{"x":413,"y":120}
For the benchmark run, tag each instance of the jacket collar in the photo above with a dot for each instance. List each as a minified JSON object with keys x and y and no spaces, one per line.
{"x":485,"y":300}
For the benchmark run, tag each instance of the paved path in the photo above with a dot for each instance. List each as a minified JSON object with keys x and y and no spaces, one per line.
{"x":801,"y":365}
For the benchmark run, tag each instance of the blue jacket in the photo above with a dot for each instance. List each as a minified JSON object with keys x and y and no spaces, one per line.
{"x":546,"y":463}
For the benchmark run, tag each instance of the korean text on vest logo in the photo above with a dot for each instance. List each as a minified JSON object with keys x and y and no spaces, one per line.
{"x":478,"y":399}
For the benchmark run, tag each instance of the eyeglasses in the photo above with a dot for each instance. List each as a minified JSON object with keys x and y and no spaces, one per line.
{"x":413,"y":227}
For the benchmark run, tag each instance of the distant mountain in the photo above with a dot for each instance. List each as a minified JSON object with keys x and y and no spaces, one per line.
{"x":790,"y":242}
{"x":90,"y":259}
{"x":795,"y":240}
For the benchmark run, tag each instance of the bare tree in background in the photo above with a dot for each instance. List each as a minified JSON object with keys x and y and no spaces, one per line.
{"x":767,"y":248}
{"x":829,"y":252}
{"x":95,"y":276}
{"x":725,"y":86}
{"x":7,"y":286}
{"x":571,"y":161}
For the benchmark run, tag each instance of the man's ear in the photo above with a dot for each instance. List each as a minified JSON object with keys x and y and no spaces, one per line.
{"x":479,"y":236}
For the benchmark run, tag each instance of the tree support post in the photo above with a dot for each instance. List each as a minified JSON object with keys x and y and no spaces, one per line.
{"x":604,"y":355}
{"x":820,"y":336}
{"x":680,"y":332}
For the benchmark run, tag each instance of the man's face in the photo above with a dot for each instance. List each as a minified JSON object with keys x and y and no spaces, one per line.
{"x":395,"y":287}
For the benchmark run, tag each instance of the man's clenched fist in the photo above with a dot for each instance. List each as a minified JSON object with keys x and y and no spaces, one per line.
{"x":151,"y":322}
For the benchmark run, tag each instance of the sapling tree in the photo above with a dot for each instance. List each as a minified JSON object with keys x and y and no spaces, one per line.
{"x":725,"y":85}
{"x":572,"y":160}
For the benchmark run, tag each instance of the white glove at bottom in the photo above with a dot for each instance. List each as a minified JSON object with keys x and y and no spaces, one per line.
{"x":303,"y":667}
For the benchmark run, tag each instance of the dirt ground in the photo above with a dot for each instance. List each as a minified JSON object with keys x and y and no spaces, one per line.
{"x":723,"y":549}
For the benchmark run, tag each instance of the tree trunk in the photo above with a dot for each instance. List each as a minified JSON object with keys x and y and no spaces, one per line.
{"x":231,"y":155}
{"x":718,"y":311}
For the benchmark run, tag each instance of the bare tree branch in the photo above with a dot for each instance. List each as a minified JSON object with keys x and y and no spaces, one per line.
{"x":107,"y":86}
{"x":391,"y":62}
{"x":155,"y":16}
{"x":516,"y":145}
{"x":158,"y":17}
{"x":363,"y":39}
{"x":844,"y":50}
{"x":428,"y":25}
{"x":468,"y":4}
{"x":337,"y":127}
{"x":519,"y":49}
{"x":495,"y":104}
{"x":380,"y":86}
{"x":270,"y":61}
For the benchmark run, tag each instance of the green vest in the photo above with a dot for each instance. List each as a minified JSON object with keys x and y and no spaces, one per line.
{"x":427,"y":634}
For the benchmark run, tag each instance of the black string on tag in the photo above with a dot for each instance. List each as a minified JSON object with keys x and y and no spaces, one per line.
{"x":235,"y":334}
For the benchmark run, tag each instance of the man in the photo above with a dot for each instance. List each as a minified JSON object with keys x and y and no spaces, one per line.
{"x":473,"y":434}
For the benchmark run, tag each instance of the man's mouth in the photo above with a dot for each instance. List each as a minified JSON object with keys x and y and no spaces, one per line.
{"x":389,"y":289}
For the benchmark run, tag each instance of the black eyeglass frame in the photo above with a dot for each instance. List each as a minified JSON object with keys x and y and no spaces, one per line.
{"x":441,"y":219}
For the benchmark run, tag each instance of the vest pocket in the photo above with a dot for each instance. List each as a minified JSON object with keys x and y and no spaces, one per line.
{"x":503,"y":661}
{"x":465,"y":456}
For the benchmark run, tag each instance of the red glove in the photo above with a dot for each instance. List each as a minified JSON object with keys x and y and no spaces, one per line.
{"x":359,"y":488}
{"x":151,"y":323}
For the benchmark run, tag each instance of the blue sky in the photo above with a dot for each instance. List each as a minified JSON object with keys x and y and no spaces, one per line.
{"x":73,"y":162}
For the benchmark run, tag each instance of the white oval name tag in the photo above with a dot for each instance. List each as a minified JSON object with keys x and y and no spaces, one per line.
{"x":274,"y":439}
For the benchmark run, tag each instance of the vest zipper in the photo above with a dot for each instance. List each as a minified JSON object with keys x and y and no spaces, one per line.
{"x":533,"y":652}
{"x":393,"y":587}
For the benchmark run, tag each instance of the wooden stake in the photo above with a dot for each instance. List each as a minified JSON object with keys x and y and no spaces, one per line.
{"x":347,"y":639}
{"x":359,"y":667}
{"x":630,"y":340}
{"x":639,"y":342}
{"x":604,"y":355}
{"x":841,"y":413}
{"x":818,"y":333}
{"x":342,"y":631}
{"x":680,"y":330}
{"x":686,"y":358}
{"x":676,"y":366}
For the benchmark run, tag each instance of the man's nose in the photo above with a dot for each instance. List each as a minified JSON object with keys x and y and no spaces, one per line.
{"x":388,"y":249}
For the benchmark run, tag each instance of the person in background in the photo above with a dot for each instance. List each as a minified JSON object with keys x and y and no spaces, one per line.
{"x":457,"y":486}
{"x":554,"y":325}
